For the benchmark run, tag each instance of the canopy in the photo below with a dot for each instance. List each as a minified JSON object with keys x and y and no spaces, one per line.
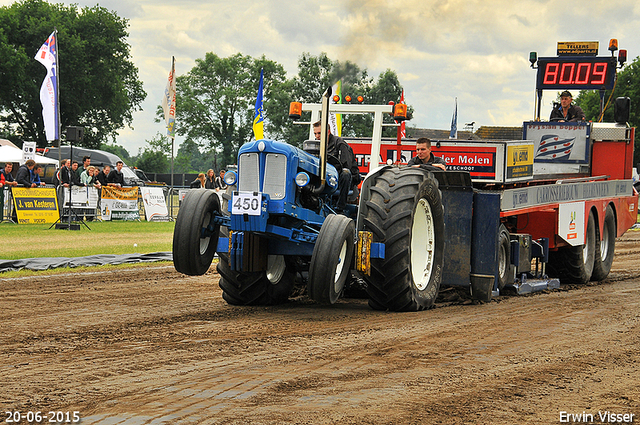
{"x":11,"y":154}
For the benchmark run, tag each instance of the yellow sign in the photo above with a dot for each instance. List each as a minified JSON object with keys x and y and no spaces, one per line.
{"x":520,"y":161}
{"x":578,"y":48}
{"x":35,"y":205}
{"x":119,"y":203}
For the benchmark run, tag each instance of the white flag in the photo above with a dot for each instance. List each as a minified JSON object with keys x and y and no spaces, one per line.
{"x":169,"y":101}
{"x":48,"y":56}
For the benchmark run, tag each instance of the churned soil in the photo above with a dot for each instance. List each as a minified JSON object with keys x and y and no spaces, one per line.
{"x":153,"y":346}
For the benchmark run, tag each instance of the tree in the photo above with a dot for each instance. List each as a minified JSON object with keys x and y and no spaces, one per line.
{"x":317,"y":73}
{"x":216,"y":101}
{"x":153,"y":158}
{"x":153,"y":162}
{"x":116,"y":150}
{"x":627,"y":85}
{"x":99,"y":86}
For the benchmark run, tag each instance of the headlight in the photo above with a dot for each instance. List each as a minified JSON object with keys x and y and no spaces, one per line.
{"x":302,"y":179}
{"x":230,"y":178}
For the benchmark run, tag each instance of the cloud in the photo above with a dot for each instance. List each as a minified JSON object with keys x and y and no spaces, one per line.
{"x":474,"y":50}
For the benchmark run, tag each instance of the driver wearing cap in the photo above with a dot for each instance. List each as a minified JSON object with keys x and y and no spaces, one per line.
{"x":567,"y":112}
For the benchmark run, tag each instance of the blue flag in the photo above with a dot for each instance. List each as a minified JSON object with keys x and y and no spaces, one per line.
{"x":453,"y":134}
{"x":258,"y":118}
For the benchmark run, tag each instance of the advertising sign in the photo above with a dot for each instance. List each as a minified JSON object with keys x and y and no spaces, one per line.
{"x":84,"y":197}
{"x":559,"y":148}
{"x":119,"y":203}
{"x":571,"y":222}
{"x":155,"y":206}
{"x":35,"y":205}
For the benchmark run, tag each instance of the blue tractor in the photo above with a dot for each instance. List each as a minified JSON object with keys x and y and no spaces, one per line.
{"x":277,"y":222}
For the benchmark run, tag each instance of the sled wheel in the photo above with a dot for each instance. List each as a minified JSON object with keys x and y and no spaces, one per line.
{"x":331,"y":259}
{"x":195,"y":237}
{"x":575,"y":264}
{"x":605,"y":248}
{"x":405,"y":212}
{"x":504,"y":257}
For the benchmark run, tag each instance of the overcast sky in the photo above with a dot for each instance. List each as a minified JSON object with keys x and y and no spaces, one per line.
{"x":475,"y":50}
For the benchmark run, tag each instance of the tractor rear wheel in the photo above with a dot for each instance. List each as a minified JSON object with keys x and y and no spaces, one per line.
{"x":605,"y":248}
{"x":195,"y":237}
{"x":405,"y":212}
{"x":331,"y":260}
{"x":575,"y":264}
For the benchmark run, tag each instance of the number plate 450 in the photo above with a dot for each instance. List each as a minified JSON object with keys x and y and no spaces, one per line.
{"x":246,"y":203}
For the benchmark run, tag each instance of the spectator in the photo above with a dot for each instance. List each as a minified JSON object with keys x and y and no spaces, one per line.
{"x":65,"y":173}
{"x":102,"y":176}
{"x":210,"y":182}
{"x":86,"y":163}
{"x":6,"y":178}
{"x":35,"y":175}
{"x":116,"y":178}
{"x":220,"y":181}
{"x":94,"y":181}
{"x":23,"y":178}
{"x":199,"y":182}
{"x":75,"y":175}
{"x":86,"y":177}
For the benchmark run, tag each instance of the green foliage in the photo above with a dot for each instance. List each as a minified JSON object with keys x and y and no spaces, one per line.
{"x":117,"y":150}
{"x":99,"y":86}
{"x":153,"y":162}
{"x":627,"y":85}
{"x":216,"y":103}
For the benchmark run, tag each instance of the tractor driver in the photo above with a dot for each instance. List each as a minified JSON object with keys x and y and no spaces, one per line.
{"x":424,"y":156}
{"x":350,"y":174}
{"x":566,"y":111}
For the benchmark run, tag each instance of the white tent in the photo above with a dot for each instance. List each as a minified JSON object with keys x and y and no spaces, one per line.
{"x":11,"y":154}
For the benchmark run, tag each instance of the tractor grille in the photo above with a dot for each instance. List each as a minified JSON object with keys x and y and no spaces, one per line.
{"x":275,"y":175}
{"x":249,"y":173}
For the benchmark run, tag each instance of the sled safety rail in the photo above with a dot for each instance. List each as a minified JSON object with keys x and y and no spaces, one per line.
{"x":340,"y":108}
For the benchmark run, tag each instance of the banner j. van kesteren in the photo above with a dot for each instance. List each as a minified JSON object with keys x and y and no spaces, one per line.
{"x":35,"y":205}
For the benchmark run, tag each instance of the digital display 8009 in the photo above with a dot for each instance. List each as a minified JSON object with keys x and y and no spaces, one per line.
{"x":581,"y":73}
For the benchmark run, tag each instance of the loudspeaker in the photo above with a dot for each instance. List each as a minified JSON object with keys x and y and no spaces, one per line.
{"x":621,"y":110}
{"x":75,"y":134}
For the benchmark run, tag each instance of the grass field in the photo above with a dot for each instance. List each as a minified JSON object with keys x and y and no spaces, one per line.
{"x":107,"y":237}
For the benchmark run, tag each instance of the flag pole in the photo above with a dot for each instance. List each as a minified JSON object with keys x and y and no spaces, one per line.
{"x":173,"y":138}
{"x":58,"y":129}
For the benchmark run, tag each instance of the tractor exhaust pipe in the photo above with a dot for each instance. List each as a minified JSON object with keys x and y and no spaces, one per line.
{"x":324,"y":125}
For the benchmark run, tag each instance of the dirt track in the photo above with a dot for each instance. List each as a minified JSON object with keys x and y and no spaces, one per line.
{"x":159,"y":347}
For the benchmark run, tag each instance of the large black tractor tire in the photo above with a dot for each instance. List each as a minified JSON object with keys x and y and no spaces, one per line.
{"x":331,"y":259}
{"x":605,"y":248}
{"x":254,"y":288}
{"x":405,"y":212}
{"x":195,"y":237}
{"x":575,"y":264}
{"x":504,"y":258}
